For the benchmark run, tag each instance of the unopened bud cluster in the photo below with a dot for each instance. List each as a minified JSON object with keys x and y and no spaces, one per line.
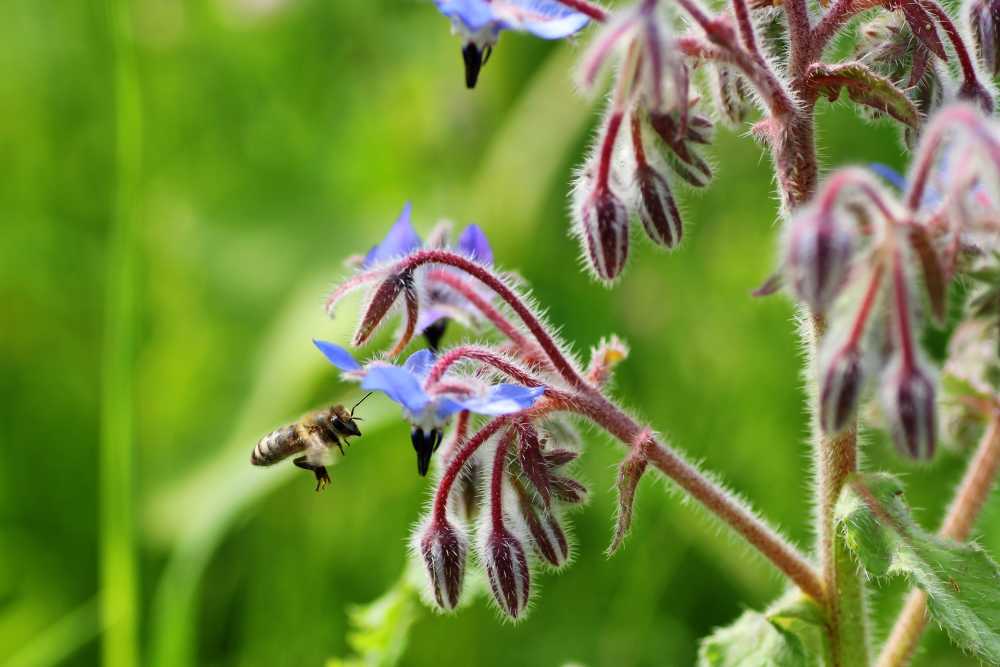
{"x":859,"y":259}
{"x":651,"y":133}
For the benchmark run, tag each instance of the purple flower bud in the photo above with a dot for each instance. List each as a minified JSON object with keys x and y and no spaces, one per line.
{"x":629,"y":474}
{"x":657,"y":208}
{"x":604,"y":227}
{"x":560,"y":457}
{"x":444,"y":549}
{"x":568,"y":490}
{"x":984,"y":16}
{"x":380,"y":302}
{"x":507,"y":569}
{"x":529,"y":456}
{"x":908,"y":400}
{"x":547,"y":534}
{"x":840,"y":387}
{"x":818,"y":255}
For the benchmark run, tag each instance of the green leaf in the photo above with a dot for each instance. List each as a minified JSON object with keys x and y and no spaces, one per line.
{"x":961,"y":580}
{"x":753,"y":640}
{"x":863,"y":87}
{"x":381,"y":628}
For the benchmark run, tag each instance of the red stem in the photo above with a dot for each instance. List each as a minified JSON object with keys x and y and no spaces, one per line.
{"x":496,"y":480}
{"x":961,"y":50}
{"x":483,"y":355}
{"x":456,"y":464}
{"x":866,"y":306}
{"x":902,"y":312}
{"x":505,"y":326}
{"x":745,"y":26}
{"x":608,"y":150}
{"x":637,"y":147}
{"x":547,"y":343}
{"x":588,"y":8}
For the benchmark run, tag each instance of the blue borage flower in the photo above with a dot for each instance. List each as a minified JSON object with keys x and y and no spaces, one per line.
{"x":428,"y":412}
{"x":479,"y":23}
{"x":439,"y":304}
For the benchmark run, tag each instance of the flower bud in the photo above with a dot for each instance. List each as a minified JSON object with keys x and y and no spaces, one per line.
{"x":529,"y":456}
{"x":604,"y":226}
{"x":840,"y":386}
{"x":560,"y":457}
{"x":984,"y":16}
{"x":380,"y":302}
{"x":908,"y":401}
{"x":629,"y":474}
{"x":507,"y":570}
{"x":547,"y":534}
{"x":733,"y":96}
{"x":568,"y":490}
{"x":444,"y":550}
{"x":657,"y":208}
{"x":817,"y":257}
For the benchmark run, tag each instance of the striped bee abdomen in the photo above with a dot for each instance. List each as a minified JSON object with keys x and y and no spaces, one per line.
{"x":278,"y":445}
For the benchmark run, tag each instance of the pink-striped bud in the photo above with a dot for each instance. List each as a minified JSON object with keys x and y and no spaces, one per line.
{"x":568,"y":490}
{"x":444,"y":551}
{"x":531,"y":460}
{"x":908,"y":399}
{"x":547,"y":534}
{"x":818,"y":256}
{"x":380,"y":302}
{"x":508,"y":572}
{"x":840,"y":386}
{"x":984,"y":16}
{"x":604,"y":226}
{"x":658,"y":209}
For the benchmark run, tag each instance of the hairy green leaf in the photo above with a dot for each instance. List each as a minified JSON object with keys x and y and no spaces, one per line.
{"x":754,"y":640}
{"x":381,"y":628}
{"x":863,"y":87}
{"x":961,"y":580}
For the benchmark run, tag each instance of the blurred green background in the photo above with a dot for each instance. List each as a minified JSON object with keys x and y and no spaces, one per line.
{"x":277,"y":137}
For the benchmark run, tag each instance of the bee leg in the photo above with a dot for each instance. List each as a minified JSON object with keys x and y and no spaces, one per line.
{"x":322,"y":476}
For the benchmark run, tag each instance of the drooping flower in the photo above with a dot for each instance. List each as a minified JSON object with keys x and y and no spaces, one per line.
{"x":479,"y":23}
{"x":430,"y":408}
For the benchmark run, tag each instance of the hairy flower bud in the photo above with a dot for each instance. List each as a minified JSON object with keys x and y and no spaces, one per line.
{"x":529,"y":456}
{"x":547,"y":534}
{"x":818,"y":254}
{"x":984,"y":16}
{"x":840,"y":386}
{"x":380,"y":302}
{"x":444,"y":551}
{"x":909,"y":404}
{"x":568,"y":490}
{"x":680,"y":132}
{"x":604,"y":226}
{"x":507,"y":570}
{"x":657,"y":208}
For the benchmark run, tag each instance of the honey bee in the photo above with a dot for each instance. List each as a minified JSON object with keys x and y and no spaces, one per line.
{"x":315,"y":434}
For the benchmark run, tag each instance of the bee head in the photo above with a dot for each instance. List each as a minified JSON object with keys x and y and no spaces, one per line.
{"x":344,"y":423}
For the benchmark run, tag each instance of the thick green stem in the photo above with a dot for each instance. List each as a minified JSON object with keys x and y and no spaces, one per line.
{"x":119,"y":571}
{"x":836,"y":457}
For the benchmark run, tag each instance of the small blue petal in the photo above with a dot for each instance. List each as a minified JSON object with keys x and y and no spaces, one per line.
{"x":399,"y":385}
{"x":473,"y":242}
{"x":400,"y":240}
{"x":888,"y":173}
{"x":419,"y":363}
{"x":474,"y":14}
{"x":503,"y":399}
{"x":337,"y":356}
{"x":547,"y":19}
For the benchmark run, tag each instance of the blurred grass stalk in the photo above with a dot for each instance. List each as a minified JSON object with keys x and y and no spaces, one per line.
{"x":119,"y":570}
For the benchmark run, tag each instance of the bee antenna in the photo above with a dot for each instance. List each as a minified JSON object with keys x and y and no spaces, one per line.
{"x":359,"y":403}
